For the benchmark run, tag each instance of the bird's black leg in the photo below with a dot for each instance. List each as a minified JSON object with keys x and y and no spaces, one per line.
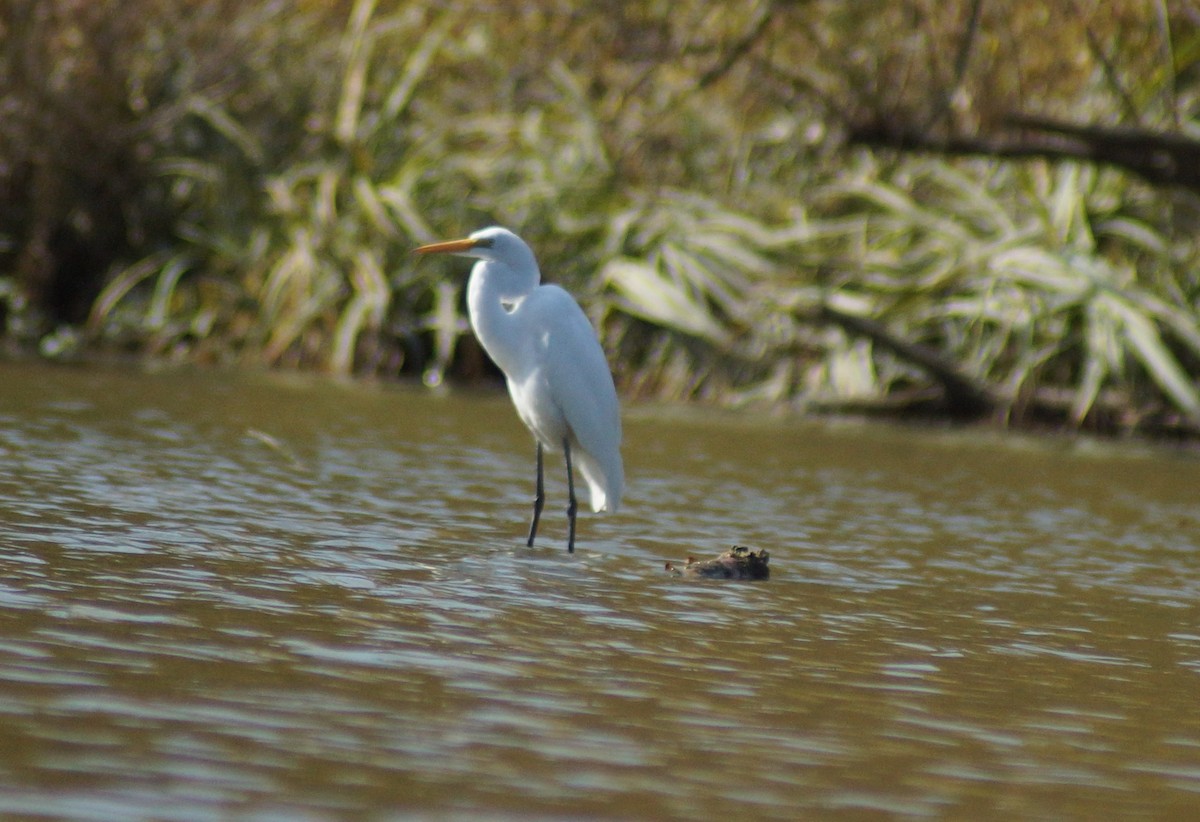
{"x":571,"y":499}
{"x":539,"y":499}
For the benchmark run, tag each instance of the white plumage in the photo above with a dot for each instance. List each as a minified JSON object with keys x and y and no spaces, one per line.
{"x":557,"y":375}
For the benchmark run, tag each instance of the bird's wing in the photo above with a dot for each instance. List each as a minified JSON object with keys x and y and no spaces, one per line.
{"x":578,"y":374}
{"x":581,"y":384}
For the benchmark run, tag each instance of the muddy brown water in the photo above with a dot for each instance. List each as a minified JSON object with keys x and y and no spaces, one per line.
{"x":265,"y":597}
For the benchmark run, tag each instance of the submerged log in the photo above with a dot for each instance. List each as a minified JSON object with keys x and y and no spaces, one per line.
{"x":739,"y":562}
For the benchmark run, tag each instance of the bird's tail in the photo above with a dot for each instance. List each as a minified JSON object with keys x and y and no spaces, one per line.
{"x":605,"y":482}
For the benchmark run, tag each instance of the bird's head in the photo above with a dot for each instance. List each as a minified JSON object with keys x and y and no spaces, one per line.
{"x":494,"y":244}
{"x":505,"y":261}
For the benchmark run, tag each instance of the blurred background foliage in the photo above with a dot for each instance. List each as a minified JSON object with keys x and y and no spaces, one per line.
{"x":812,"y":202}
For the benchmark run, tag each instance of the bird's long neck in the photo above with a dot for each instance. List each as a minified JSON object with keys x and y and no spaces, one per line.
{"x":498,"y":329}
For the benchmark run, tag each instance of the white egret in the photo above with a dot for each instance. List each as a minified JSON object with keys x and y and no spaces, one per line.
{"x":557,"y":375}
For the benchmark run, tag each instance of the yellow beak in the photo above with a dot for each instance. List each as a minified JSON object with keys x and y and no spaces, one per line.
{"x":448,"y":247}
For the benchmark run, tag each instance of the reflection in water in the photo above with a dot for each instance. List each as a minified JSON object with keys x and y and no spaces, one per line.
{"x":266,"y":596}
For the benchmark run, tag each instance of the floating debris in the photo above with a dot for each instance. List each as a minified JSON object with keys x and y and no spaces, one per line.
{"x":739,"y":562}
{"x":278,"y":447}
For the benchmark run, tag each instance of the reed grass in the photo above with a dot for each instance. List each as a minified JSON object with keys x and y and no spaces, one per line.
{"x":679,"y":171}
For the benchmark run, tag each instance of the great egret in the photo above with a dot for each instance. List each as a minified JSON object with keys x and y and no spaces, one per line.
{"x":557,"y":375}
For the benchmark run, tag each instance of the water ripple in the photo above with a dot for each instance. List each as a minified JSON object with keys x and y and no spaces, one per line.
{"x":312,"y":601}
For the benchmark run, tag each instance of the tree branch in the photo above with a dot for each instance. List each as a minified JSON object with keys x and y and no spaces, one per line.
{"x":965,"y":396}
{"x":1160,"y":157}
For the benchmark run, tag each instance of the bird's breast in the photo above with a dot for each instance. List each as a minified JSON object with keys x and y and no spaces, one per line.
{"x":538,"y":410}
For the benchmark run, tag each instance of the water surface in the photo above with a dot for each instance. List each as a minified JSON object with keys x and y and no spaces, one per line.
{"x":270,"y":597}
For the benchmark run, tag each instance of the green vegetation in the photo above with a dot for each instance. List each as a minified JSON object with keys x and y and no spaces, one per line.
{"x":242,"y":182}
